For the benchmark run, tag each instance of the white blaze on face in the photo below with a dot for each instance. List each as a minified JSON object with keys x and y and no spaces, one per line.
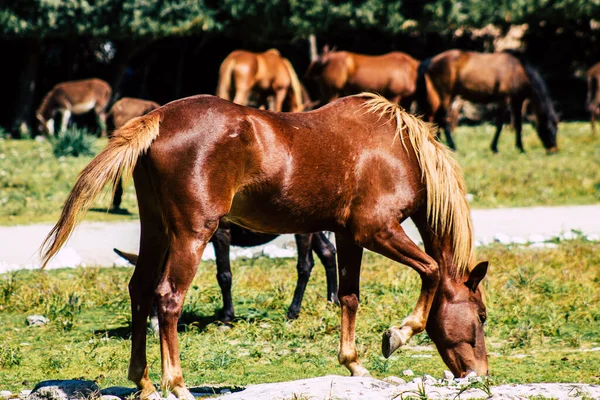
{"x":50,"y":126}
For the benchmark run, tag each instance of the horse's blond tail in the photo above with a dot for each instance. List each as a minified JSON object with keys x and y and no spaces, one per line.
{"x":225,"y":73}
{"x":116,"y":160}
{"x":447,"y":207}
{"x":295,"y":86}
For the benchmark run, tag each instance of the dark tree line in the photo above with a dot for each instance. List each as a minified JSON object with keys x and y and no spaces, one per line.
{"x":165,"y":49}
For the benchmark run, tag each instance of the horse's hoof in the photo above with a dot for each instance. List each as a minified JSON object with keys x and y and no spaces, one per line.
{"x":494,"y":150}
{"x":292,"y":315}
{"x":391,"y":341}
{"x":359,"y":370}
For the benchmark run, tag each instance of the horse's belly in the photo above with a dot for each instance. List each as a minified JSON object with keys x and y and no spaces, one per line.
{"x":263,"y":214}
{"x":82,"y":107}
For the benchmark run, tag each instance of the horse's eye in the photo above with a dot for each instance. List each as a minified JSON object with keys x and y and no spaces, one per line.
{"x":482,"y":318}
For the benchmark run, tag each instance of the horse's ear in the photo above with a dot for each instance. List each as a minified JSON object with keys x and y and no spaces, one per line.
{"x":477,"y":275}
{"x":325,"y":49}
{"x":334,"y":48}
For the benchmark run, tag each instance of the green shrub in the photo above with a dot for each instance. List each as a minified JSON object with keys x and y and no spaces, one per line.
{"x":73,"y":142}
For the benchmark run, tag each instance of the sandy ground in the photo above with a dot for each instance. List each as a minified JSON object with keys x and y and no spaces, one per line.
{"x":92,"y":242}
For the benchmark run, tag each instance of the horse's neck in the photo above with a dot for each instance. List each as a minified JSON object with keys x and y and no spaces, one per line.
{"x":46,"y":109}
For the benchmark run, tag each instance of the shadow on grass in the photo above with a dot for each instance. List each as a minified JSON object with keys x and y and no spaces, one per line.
{"x":187,"y":321}
{"x":116,"y":211}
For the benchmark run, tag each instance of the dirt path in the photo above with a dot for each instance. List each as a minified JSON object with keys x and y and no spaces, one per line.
{"x":92,"y":242}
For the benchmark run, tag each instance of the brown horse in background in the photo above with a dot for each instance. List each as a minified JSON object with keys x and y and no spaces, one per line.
{"x":342,"y":73}
{"x":487,"y":78}
{"x":74,"y":97}
{"x":200,"y":160}
{"x":593,"y":94}
{"x":122,"y":111}
{"x":268,"y":75}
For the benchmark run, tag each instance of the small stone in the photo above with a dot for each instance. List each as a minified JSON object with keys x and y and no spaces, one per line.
{"x":593,"y":237}
{"x":536,"y":238}
{"x":109,"y":397}
{"x":448,"y":375}
{"x":502,"y":238}
{"x":543,"y":246}
{"x":518,"y":240}
{"x":430,"y":380}
{"x":470,"y":197}
{"x":408,"y":372}
{"x":418,"y":381}
{"x":394,"y":380}
{"x":568,"y":236}
{"x":5,"y":393}
{"x":225,"y":391}
{"x":37,"y":320}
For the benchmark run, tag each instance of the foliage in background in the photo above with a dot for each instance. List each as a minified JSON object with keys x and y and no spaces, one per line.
{"x":274,"y":18}
{"x":543,"y":308}
{"x":73,"y":142}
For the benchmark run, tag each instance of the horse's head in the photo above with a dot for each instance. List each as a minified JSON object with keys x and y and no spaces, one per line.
{"x":455,"y":323}
{"x":316,"y":66}
{"x":547,"y":129}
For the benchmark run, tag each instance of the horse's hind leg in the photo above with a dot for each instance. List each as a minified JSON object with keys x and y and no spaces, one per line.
{"x":517,"y":118}
{"x":393,"y":243}
{"x":349,"y":259}
{"x":101,"y":119}
{"x":153,"y":247}
{"x":499,"y":122}
{"x":304,"y":267}
{"x":222,"y":242}
{"x":326,"y":253}
{"x":66,"y":116}
{"x":188,"y":238}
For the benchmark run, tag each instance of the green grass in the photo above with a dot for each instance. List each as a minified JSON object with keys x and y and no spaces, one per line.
{"x":544,"y":310}
{"x":34,"y":184}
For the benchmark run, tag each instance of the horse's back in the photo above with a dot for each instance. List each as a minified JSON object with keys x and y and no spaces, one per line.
{"x":391,"y":74}
{"x":479,"y":77}
{"x":274,"y":163}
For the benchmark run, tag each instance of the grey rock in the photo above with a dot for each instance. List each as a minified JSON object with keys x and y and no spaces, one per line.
{"x":408,"y":372}
{"x":25,"y":392}
{"x":5,"y":393}
{"x":430,"y":380}
{"x":448,"y":375}
{"x":37,"y":320}
{"x":109,"y":397}
{"x":394,"y":380}
{"x":118,"y":391}
{"x":64,"y":390}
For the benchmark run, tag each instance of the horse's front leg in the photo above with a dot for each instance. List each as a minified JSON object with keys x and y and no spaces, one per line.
{"x":349,"y":260}
{"x":393,"y":243}
{"x":66,"y":116}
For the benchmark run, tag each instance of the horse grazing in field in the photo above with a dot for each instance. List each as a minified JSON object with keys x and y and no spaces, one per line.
{"x":122,"y":111}
{"x":593,"y":94}
{"x":200,"y":160}
{"x":74,"y":97}
{"x":267,"y":75}
{"x":228,"y":234}
{"x":342,"y":73}
{"x":485,"y":78}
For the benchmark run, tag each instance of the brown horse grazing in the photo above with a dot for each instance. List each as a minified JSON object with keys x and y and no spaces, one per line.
{"x":201,"y":159}
{"x":485,"y":78}
{"x":229,"y":234}
{"x":342,"y":73}
{"x":593,"y":94}
{"x":267,"y":75}
{"x":74,"y":97}
{"x":122,"y":111}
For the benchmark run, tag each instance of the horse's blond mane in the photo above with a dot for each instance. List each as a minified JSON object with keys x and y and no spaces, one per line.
{"x":447,"y":207}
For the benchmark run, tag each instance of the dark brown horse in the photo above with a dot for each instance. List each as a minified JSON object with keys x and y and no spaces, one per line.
{"x":202,"y":159}
{"x":342,"y":73}
{"x":268,"y":76}
{"x":74,"y":97}
{"x":593,"y":94}
{"x":122,"y":111}
{"x":229,"y":234}
{"x":501,"y":78}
